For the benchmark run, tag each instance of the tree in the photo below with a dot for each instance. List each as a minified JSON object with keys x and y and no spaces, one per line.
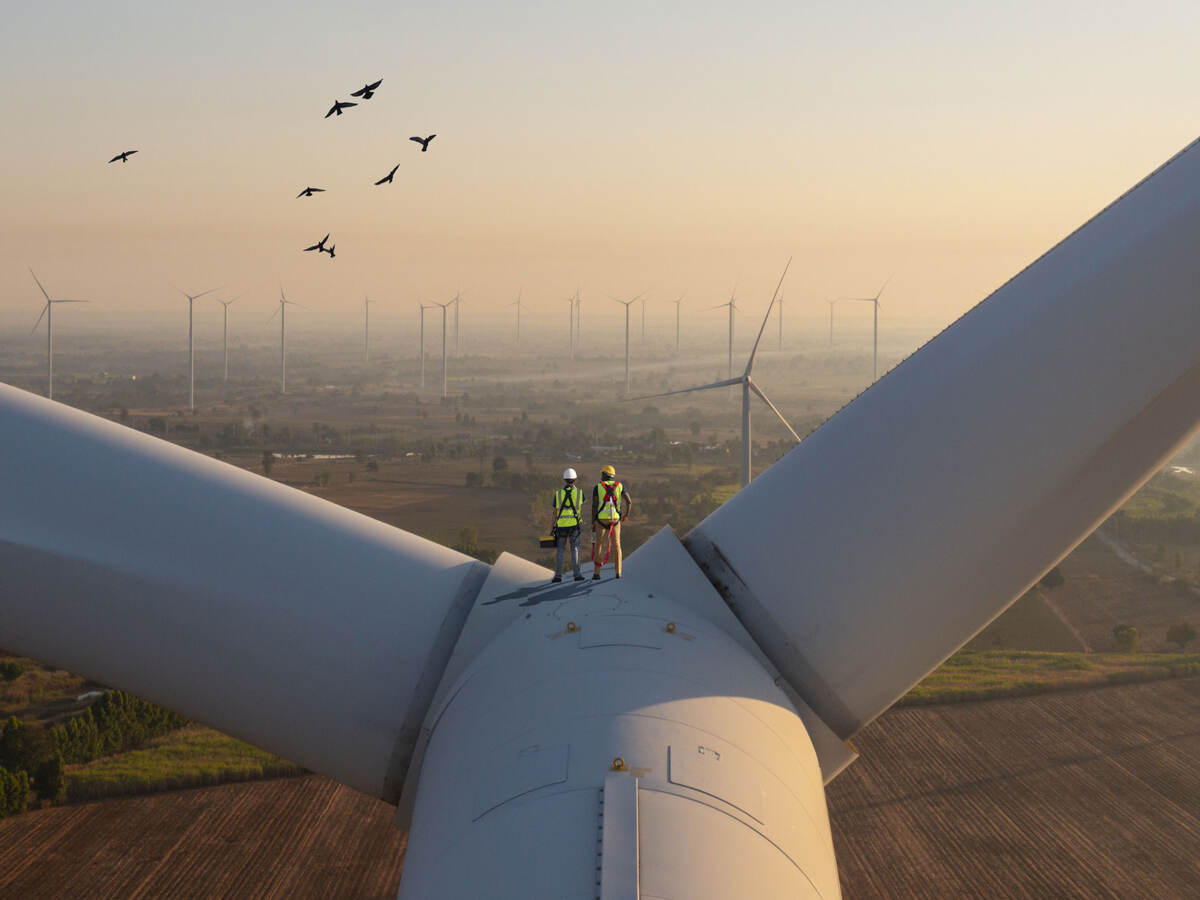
{"x":10,"y":670}
{"x":1182,"y":633}
{"x":268,"y":460}
{"x":474,"y":479}
{"x":1128,"y":638}
{"x":1052,"y":579}
{"x":51,"y":778}
{"x":499,"y":464}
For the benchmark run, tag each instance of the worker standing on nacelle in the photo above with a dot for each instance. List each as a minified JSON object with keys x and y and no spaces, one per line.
{"x":568,"y":516}
{"x":608,"y":497}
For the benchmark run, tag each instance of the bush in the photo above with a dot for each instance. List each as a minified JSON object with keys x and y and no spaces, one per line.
{"x":1127,"y":637}
{"x":116,"y":722}
{"x":10,"y":670}
{"x":474,"y":479}
{"x":1181,"y":633}
{"x":51,"y":778}
{"x":14,"y":792}
{"x":268,"y":460}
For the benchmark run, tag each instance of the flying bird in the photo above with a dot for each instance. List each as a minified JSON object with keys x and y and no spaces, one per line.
{"x":309,"y":191}
{"x":368,"y":91}
{"x":337,"y":107}
{"x":387,"y":179}
{"x":424,"y":142}
{"x":319,"y":246}
{"x":332,"y":247}
{"x":123,"y":157}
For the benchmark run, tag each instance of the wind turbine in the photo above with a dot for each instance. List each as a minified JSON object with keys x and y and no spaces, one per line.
{"x":444,"y":306}
{"x":759,"y":644}
{"x":746,"y":380}
{"x":627,"y":304}
{"x":225,"y":329}
{"x":643,"y":320}
{"x":831,"y":303}
{"x":874,"y":300}
{"x":732,"y":309}
{"x":192,"y":298}
{"x":47,"y":311}
{"x":421,"y":307}
{"x":578,"y":319}
{"x":571,"y":341}
{"x":517,"y":304}
{"x":281,"y":311}
{"x":366,"y":329}
{"x":677,"y":304}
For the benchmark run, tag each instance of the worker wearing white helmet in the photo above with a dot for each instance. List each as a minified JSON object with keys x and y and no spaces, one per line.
{"x":568,"y":516}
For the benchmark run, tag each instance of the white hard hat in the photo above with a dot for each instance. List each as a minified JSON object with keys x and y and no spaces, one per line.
{"x":569,"y":475}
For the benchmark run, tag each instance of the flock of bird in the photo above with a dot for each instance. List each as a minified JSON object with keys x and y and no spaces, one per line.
{"x":366,"y":92}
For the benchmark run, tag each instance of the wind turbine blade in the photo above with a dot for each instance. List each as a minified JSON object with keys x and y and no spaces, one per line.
{"x":39,"y":284}
{"x":274,"y":314}
{"x":704,"y":387}
{"x":718,"y":306}
{"x":763,"y":397}
{"x":64,"y":300}
{"x":209,"y":291}
{"x":93,"y":580}
{"x":929,"y":470}
{"x":763,"y":326}
{"x":40,"y":317}
{"x":879,"y":293}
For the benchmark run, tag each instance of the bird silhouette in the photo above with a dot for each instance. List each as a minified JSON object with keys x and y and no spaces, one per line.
{"x":123,"y":157}
{"x":368,"y":91}
{"x":424,"y":142}
{"x":330,"y":250}
{"x":387,"y":179}
{"x":319,"y":246}
{"x":337,"y":107}
{"x":309,"y":191}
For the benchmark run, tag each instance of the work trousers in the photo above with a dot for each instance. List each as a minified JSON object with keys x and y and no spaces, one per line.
{"x":562,"y":537}
{"x":599,"y":537}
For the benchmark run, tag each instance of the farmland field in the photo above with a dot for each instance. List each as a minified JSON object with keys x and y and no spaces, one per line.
{"x":1084,"y":794}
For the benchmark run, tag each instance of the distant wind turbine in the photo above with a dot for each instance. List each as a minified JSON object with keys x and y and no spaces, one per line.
{"x":831,"y":304}
{"x":643,"y":320}
{"x":748,"y":386}
{"x":284,"y":303}
{"x":421,"y":307}
{"x":571,"y":342}
{"x":627,"y":304}
{"x":366,"y":329}
{"x":517,"y":304}
{"x":732,"y":309}
{"x":677,"y":304}
{"x":47,"y":311}
{"x":192,"y":298}
{"x":444,"y":307}
{"x":873,"y":300}
{"x":225,"y":328}
{"x":457,"y":301}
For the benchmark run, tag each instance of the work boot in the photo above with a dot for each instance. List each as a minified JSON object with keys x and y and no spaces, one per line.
{"x":579,"y":578}
{"x":556,"y":580}
{"x":596,"y":577}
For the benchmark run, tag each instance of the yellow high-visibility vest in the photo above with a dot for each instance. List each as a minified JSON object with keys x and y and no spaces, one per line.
{"x":568,"y":502}
{"x":609,"y":494}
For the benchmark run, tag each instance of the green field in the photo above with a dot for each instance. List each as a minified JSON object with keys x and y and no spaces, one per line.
{"x":984,"y":675}
{"x":191,"y":756}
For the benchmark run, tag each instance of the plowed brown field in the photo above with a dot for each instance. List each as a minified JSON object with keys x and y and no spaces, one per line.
{"x":1083,"y":794}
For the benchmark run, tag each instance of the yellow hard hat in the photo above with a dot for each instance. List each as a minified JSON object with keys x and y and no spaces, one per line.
{"x":609,"y":470}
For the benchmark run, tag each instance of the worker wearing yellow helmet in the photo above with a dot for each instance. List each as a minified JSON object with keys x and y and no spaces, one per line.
{"x":611,"y":505}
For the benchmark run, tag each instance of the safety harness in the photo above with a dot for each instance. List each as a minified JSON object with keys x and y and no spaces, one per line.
{"x":568,"y":502}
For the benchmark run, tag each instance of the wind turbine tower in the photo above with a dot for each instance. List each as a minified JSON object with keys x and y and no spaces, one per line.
{"x":284,"y":303}
{"x":517,"y":304}
{"x":421,"y":307}
{"x":873,"y":300}
{"x":571,"y":341}
{"x":192,"y":298}
{"x":366,"y":329}
{"x":831,"y":303}
{"x":457,"y":301}
{"x":578,"y":319}
{"x":444,"y":307}
{"x":746,"y":380}
{"x":627,"y":304}
{"x":225,"y":329}
{"x":677,"y":304}
{"x":48,"y":311}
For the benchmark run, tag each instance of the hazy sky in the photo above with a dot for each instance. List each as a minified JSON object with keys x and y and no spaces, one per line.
{"x":619,"y":146}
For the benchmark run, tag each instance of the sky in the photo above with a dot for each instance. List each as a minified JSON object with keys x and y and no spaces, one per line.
{"x":669,"y":147}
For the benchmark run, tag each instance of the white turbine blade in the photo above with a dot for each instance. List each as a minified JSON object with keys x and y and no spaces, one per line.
{"x":278,"y":617}
{"x":274,"y":314}
{"x":879,"y":293}
{"x":763,"y":397}
{"x":202,"y":293}
{"x":718,"y":306}
{"x":40,"y":317}
{"x":704,"y":387}
{"x":763,"y":326}
{"x":921,"y":510}
{"x":70,"y":301}
{"x":39,"y":284}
